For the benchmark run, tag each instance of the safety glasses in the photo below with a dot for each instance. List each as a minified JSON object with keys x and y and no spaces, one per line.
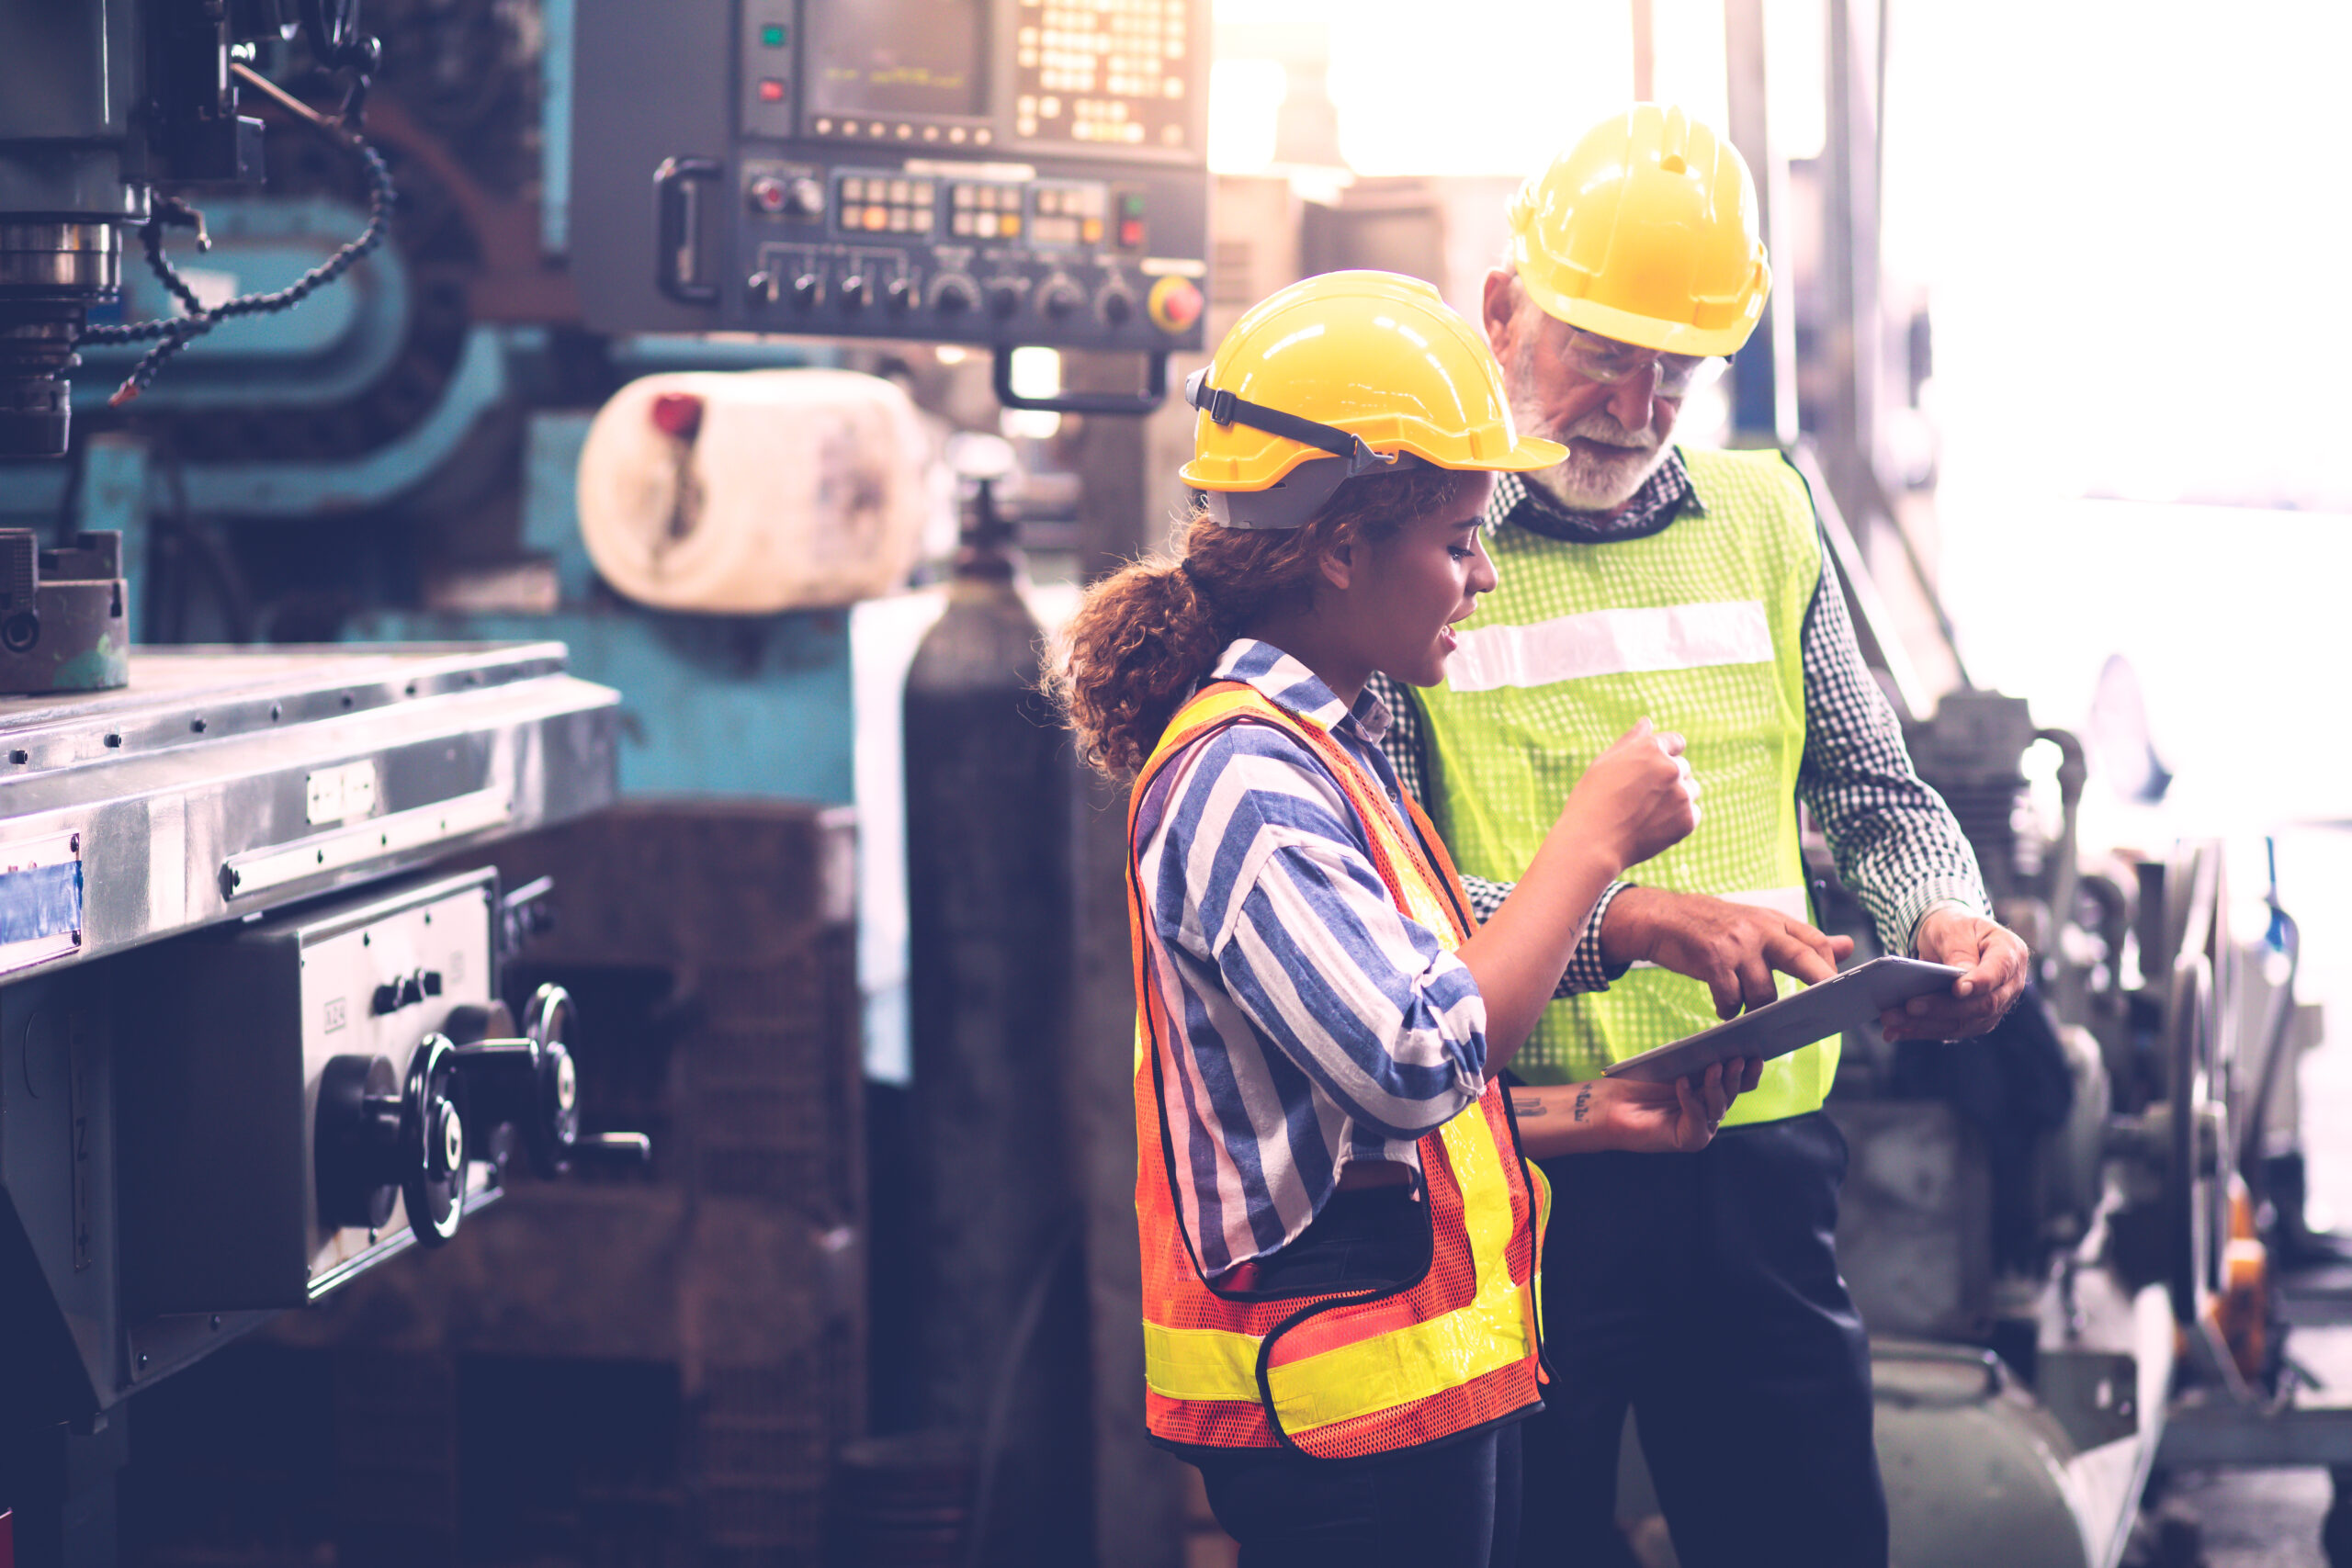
{"x":1610,"y":363}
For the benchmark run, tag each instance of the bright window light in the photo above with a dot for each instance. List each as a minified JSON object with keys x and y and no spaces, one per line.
{"x":1245,"y":101}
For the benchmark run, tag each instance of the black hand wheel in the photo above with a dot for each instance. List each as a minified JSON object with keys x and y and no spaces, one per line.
{"x":433,"y":1142}
{"x":555,"y":1129}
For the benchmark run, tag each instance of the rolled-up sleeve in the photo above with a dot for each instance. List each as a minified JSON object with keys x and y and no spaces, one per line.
{"x":1288,"y":907}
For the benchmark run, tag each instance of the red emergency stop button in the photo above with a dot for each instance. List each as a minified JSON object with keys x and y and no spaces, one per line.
{"x":1173,"y":305}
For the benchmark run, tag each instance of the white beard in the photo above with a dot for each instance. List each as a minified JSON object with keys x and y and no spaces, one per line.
{"x":1596,"y":480}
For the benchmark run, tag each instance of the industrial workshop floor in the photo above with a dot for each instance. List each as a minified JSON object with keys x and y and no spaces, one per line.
{"x":2255,"y":1518}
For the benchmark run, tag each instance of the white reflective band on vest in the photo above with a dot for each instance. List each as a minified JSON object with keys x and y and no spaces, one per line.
{"x":1610,"y":642}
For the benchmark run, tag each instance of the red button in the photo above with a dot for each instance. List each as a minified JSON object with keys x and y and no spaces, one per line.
{"x":1131,"y":233}
{"x":771,"y":90}
{"x":1173,"y":305}
{"x":678,"y":414}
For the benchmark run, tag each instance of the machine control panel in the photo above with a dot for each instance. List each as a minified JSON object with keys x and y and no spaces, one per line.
{"x":999,"y":172}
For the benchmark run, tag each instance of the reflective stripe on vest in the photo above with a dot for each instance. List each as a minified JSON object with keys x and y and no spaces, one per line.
{"x":1339,"y":1374}
{"x":1697,"y":627}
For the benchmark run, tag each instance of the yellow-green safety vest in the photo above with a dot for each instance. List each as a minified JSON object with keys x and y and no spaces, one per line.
{"x":1697,"y":627}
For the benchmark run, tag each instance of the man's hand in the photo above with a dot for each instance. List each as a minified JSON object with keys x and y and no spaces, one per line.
{"x":1732,"y":948}
{"x":1996,"y":962}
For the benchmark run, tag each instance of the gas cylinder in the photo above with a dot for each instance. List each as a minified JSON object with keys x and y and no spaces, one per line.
{"x":1001,"y":1339}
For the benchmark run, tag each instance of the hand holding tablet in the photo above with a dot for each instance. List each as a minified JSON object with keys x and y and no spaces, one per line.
{"x":1850,"y":1002}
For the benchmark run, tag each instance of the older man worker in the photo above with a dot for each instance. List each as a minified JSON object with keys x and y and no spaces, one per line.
{"x":1640,"y":578}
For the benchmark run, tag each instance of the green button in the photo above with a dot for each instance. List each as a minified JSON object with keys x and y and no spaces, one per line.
{"x":1132,"y":204}
{"x":774,"y":35}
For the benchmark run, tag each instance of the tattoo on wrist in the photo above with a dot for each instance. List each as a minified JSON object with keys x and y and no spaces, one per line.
{"x":1526,"y":1105}
{"x":1584,"y":1101}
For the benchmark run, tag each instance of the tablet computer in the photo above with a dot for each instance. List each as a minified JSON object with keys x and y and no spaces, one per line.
{"x":1847,"y":1002}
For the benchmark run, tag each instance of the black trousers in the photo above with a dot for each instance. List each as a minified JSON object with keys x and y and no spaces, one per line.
{"x":1452,"y":1506}
{"x":1702,"y":1290}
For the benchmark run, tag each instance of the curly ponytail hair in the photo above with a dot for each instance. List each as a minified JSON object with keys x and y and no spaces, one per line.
{"x":1150,"y":632}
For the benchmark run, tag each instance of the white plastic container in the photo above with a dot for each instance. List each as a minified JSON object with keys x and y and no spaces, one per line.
{"x":748,"y":492}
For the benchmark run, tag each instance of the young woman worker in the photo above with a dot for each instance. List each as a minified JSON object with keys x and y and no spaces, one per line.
{"x":1339,"y":1223}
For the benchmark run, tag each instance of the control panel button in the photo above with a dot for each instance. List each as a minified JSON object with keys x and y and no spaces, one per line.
{"x":1173,"y":305}
{"x":901,"y":294}
{"x":858,"y":291}
{"x":808,"y":290}
{"x":778,"y":196}
{"x":774,"y":35}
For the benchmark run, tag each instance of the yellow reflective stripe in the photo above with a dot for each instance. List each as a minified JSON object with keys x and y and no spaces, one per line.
{"x":1199,"y":1363}
{"x":1387,"y":1370}
{"x":1394,"y":1370}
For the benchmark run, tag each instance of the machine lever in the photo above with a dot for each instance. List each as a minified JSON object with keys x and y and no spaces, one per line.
{"x":627,"y":1151}
{"x":1131,"y":404}
{"x":677,"y":264}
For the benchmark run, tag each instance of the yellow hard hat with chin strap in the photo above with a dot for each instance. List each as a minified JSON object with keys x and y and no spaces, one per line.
{"x":1646,"y":231}
{"x":1343,"y":375}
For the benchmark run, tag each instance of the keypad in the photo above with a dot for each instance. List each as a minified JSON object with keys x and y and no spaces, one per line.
{"x":882,"y":204}
{"x":1068,"y":215}
{"x":1102,"y":71}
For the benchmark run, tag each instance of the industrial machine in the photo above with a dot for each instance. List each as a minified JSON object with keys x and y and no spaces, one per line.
{"x":253,"y":1048}
{"x":993,"y":172}
{"x":2067,"y":1238}
{"x":342,"y":311}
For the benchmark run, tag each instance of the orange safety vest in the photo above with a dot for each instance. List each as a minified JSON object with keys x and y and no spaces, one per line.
{"x":1347,"y":1373}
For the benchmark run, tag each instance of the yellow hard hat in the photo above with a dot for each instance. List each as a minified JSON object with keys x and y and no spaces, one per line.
{"x":1645,"y":232}
{"x":1346,"y":374}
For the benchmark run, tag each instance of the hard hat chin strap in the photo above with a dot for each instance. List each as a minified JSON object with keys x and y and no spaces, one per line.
{"x":1223,"y":407}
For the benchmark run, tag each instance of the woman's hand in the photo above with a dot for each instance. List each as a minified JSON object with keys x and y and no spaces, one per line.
{"x":1637,"y":798}
{"x":1619,"y":1113}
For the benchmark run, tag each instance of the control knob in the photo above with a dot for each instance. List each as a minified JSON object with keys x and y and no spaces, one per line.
{"x":900,"y":294}
{"x":1004,"y":298}
{"x":808,"y":290}
{"x":1117,"y":306}
{"x":1060,"y":299}
{"x":954,"y":296}
{"x":858,"y":291}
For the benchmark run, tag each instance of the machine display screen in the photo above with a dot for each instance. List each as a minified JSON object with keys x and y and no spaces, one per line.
{"x":889,"y":57}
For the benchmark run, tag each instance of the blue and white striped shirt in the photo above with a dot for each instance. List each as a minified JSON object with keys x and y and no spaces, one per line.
{"x":1316,"y":1023}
